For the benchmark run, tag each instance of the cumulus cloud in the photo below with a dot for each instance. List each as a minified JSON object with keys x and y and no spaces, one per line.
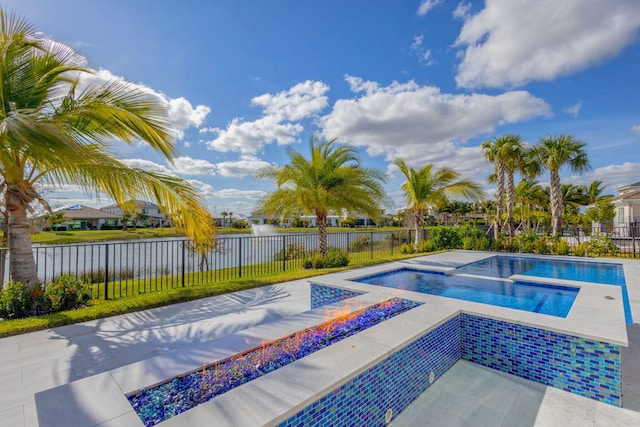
{"x":615,"y":176}
{"x":188,"y":166}
{"x":512,"y":42}
{"x":147,"y":165}
{"x":205,"y":190}
{"x":635,"y":128}
{"x":427,"y":5}
{"x":181,"y":113}
{"x":422,"y":124}
{"x":462,"y":11}
{"x":247,"y":165}
{"x":279,"y":111}
{"x":574,"y":110}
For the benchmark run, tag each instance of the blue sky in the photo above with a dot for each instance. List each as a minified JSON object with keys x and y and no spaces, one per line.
{"x":424,"y":80}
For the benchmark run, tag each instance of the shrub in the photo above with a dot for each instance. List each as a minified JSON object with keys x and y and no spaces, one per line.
{"x":445,"y":238}
{"x":335,"y":258}
{"x":15,"y":300}
{"x":406,"y":249}
{"x":292,"y":251}
{"x":581,"y":249}
{"x":67,"y":293}
{"x":426,"y":246}
{"x":601,"y":245}
{"x":561,"y":247}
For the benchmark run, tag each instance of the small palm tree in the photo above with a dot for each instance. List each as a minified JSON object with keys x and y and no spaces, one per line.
{"x":427,"y":187}
{"x":55,"y":129}
{"x":493,"y":152}
{"x":331,"y":180}
{"x":553,"y":153}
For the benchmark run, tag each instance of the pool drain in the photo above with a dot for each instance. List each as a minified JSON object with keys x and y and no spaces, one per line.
{"x":388,"y":415}
{"x":431,"y":377}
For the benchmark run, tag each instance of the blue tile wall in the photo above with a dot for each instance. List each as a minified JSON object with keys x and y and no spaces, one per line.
{"x":577,"y":365}
{"x":393,"y":383}
{"x":323,"y":295}
{"x":585,"y":367}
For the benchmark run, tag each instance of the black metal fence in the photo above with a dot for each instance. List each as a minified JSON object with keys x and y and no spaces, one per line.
{"x":118,"y":269}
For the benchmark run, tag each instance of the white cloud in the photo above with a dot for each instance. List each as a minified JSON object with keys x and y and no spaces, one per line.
{"x":463,"y":11}
{"x":187,"y":166}
{"x":205,"y":190}
{"x":299,"y":102}
{"x":574,"y":110}
{"x":247,"y":165}
{"x":232,"y":193}
{"x":635,"y":128}
{"x":512,"y":42}
{"x":147,"y":165}
{"x":181,"y":113}
{"x":421,"y":124}
{"x":615,"y":176}
{"x":427,"y":5}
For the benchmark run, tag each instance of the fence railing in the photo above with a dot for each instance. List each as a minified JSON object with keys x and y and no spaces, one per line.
{"x":118,"y":269}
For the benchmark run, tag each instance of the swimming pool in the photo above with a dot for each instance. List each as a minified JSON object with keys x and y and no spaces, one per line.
{"x":584,"y":271}
{"x":545,"y":299}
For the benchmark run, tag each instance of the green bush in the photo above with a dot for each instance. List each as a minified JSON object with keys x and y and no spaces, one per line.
{"x":601,"y":245}
{"x":426,"y":246}
{"x":335,"y":258}
{"x":561,"y":247}
{"x":292,"y":251}
{"x":445,"y":238}
{"x":581,"y":249}
{"x":406,"y":249}
{"x":16,"y":301}
{"x":66,"y":293}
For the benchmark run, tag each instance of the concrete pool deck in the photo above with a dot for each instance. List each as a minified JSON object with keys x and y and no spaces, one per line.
{"x":40,"y":361}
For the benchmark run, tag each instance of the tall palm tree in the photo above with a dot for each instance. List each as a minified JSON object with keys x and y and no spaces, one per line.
{"x":493,"y":151}
{"x":594,"y":192}
{"x":552,"y":153}
{"x":427,"y":187}
{"x":56,"y":128}
{"x":514,"y":156}
{"x":529,"y":194}
{"x":331,"y":180}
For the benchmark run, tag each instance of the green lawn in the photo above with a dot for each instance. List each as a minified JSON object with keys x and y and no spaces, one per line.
{"x":142,"y":301}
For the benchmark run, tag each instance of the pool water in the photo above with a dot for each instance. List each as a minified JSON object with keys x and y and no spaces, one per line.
{"x":584,"y":271}
{"x":545,"y":299}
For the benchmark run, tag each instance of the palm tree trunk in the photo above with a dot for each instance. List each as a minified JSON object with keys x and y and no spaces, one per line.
{"x":499,"y":197}
{"x":511,"y":191}
{"x":556,"y":202}
{"x":416,"y":225}
{"x":322,"y":232}
{"x":22,"y":265}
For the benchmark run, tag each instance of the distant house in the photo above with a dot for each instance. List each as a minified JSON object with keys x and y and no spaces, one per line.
{"x":142,"y":213}
{"x":626,"y":222}
{"x":80,"y":217}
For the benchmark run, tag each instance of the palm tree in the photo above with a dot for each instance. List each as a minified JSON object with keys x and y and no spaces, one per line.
{"x":594,"y":192}
{"x":332,"y":180}
{"x":56,"y":128}
{"x":427,"y":187}
{"x":493,"y":153}
{"x":552,"y":153}
{"x":529,"y":194}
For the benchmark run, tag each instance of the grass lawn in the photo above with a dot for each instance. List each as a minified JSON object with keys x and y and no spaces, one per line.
{"x":142,"y":301}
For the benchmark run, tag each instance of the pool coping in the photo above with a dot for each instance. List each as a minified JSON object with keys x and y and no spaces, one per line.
{"x":273,"y":398}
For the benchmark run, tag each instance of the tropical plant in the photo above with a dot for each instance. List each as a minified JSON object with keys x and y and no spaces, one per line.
{"x":331,"y":180}
{"x":57,"y":125}
{"x":492,"y":152}
{"x":531,"y":196}
{"x":427,"y":187}
{"x":551,"y":154}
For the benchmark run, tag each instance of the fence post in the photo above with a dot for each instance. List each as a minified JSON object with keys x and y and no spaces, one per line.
{"x":371,"y":243}
{"x":391,"y":239}
{"x":184,"y":244}
{"x":239,"y":257}
{"x":284,"y":252}
{"x":106,"y":272}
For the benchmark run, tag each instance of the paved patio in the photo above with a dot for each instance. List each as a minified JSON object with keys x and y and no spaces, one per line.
{"x":467,"y":394}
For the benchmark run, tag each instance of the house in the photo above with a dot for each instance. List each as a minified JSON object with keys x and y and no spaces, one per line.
{"x":141,"y":213}
{"x":626,"y":222}
{"x":80,"y":217}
